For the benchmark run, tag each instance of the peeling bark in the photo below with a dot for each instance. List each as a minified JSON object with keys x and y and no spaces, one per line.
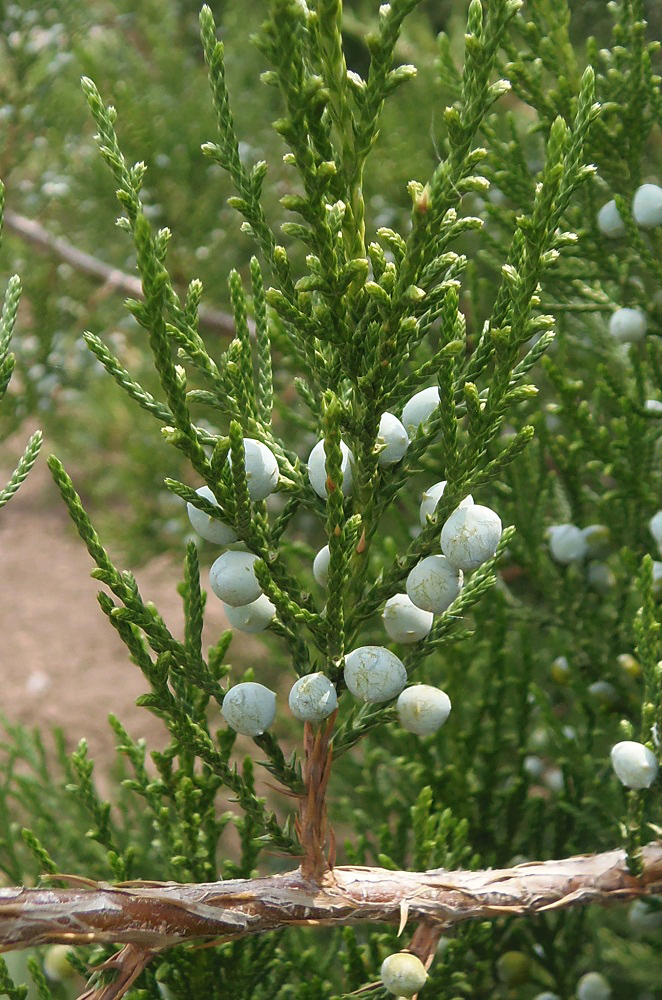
{"x":311,"y":823}
{"x":155,"y":916}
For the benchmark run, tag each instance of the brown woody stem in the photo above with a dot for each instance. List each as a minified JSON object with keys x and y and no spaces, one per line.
{"x":154,"y":916}
{"x":311,"y":822}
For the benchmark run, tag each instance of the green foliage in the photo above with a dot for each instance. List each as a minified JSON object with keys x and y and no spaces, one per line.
{"x":494,"y":284}
{"x":7,"y":362}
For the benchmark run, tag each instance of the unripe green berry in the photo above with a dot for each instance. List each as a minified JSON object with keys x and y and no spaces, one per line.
{"x":567,"y":543}
{"x":321,"y":566}
{"x":443,"y":945}
{"x":635,"y":765}
{"x":249,"y":708}
{"x":642,"y":918}
{"x":597,"y":540}
{"x":56,"y":964}
{"x":431,"y":498}
{"x":251,"y":618}
{"x":317,"y":469}
{"x":261,"y":469}
{"x":392,"y":439}
{"x":540,"y":738}
{"x":604,"y":693}
{"x":600,"y":576}
{"x":513,"y":968}
{"x":560,"y":670}
{"x":610,"y":222}
{"x":470,"y":536}
{"x":629,"y":664}
{"x":554,"y":780}
{"x":419,"y":409}
{"x":210,"y":528}
{"x":423,"y":709}
{"x":628,"y":325}
{"x":647,"y":206}
{"x":657,"y":580}
{"x":534,"y":766}
{"x":655,"y":528}
{"x":404,"y":622}
{"x":403,"y":974}
{"x":232,"y":578}
{"x":313,"y":698}
{"x":433,"y":584}
{"x":593,"y":986}
{"x":374,"y":673}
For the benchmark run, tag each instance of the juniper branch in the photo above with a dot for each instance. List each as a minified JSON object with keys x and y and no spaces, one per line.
{"x":155,"y":916}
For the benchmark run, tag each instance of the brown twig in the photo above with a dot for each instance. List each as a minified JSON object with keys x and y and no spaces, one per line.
{"x":155,"y":917}
{"x":129,"y":962}
{"x":311,"y":823}
{"x":424,"y":944}
{"x":111,"y":277}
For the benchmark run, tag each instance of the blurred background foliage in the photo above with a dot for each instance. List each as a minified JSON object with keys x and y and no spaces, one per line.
{"x":526,"y":744}
{"x":145,"y":57}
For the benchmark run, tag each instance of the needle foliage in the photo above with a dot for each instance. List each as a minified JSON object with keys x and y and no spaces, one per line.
{"x":489,"y":279}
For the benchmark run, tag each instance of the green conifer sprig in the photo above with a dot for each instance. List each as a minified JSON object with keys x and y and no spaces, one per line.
{"x":285,"y":38}
{"x":245,"y":380}
{"x":226,"y":153}
{"x":194,"y":603}
{"x":382,"y":80}
{"x":7,"y":322}
{"x":290,"y":611}
{"x":431,"y":204}
{"x":124,"y":379}
{"x":647,"y":631}
{"x":197,"y":741}
{"x":244,"y":521}
{"x":335,"y":532}
{"x":264,"y":383}
{"x":154,"y":278}
{"x":471,"y":301}
{"x":25,"y":463}
{"x":184,"y":665}
{"x":7,"y":985}
{"x":534,"y":239}
{"x":9,"y":311}
{"x":103,"y":831}
{"x":154,"y":793}
{"x":39,"y":852}
{"x":135,"y":612}
{"x":157,"y":287}
{"x":391,"y":314}
{"x":40,"y":982}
